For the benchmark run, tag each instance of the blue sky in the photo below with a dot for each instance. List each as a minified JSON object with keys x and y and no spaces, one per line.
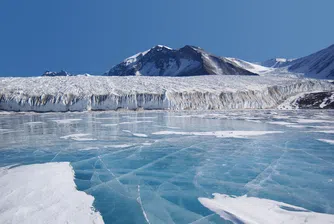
{"x":92,"y":36}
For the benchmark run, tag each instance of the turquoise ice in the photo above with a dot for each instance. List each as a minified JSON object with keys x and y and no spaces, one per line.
{"x":151,"y":167}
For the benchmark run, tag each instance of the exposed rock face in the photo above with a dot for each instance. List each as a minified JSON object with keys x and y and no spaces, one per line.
{"x":321,"y":100}
{"x":186,"y":61}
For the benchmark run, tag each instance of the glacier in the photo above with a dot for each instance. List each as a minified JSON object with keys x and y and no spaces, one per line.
{"x":84,"y":93}
{"x":164,"y":166}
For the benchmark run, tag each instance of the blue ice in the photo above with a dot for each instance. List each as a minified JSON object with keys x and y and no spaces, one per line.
{"x":137,"y":176}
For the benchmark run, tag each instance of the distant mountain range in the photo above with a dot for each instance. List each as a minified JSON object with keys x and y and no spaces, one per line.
{"x":317,"y":65}
{"x":193,"y":61}
{"x":276,"y":62}
{"x":62,"y":73}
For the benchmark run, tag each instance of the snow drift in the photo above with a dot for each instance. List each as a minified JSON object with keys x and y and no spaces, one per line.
{"x":45,"y":94}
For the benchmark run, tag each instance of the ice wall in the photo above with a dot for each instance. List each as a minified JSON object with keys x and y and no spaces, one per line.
{"x":151,"y":93}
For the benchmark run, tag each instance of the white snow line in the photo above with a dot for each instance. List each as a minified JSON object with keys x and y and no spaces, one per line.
{"x":141,"y":206}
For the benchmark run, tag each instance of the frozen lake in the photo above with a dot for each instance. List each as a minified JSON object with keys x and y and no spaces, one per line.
{"x":152,"y":167}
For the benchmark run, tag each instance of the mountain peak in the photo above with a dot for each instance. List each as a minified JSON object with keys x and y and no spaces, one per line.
{"x":186,"y":61}
{"x":157,"y":47}
{"x":61,"y":73}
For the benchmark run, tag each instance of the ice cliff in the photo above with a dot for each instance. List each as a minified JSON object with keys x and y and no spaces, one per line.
{"x":44,"y":94}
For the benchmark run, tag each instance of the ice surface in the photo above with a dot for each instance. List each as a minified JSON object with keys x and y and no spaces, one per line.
{"x":159,"y":178}
{"x":45,"y":94}
{"x":43,"y":193}
{"x":261,"y":211}
{"x":329,"y":141}
{"x":220,"y":134}
{"x":78,"y":137}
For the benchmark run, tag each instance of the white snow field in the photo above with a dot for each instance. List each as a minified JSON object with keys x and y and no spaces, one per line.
{"x":45,"y":94}
{"x":253,"y":210}
{"x":44,"y":193}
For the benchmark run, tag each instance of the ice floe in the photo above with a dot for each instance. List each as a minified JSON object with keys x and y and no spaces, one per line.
{"x":119,"y":146}
{"x":78,"y":137}
{"x":44,"y":193}
{"x":329,"y":141}
{"x":140,"y":135}
{"x":66,"y":121}
{"x":309,"y":121}
{"x":109,"y":125}
{"x":135,"y":134}
{"x":261,"y":211}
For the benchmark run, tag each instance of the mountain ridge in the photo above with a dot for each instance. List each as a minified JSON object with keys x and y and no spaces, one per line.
{"x":186,"y":61}
{"x":316,"y":65}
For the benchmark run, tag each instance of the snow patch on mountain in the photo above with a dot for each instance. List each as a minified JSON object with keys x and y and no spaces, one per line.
{"x":264,"y":71}
{"x":276,"y":62}
{"x":251,"y":66}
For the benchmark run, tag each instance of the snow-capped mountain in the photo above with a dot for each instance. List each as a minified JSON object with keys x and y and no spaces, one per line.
{"x":318,"y":65}
{"x":187,"y":61}
{"x":276,"y":62}
{"x":62,"y":73}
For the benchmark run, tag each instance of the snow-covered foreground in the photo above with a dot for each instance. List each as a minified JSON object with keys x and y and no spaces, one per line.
{"x":262,"y":211}
{"x":43,"y":193}
{"x":174,"y":93}
{"x":153,"y":166}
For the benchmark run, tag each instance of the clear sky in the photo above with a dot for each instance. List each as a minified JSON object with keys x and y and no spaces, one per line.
{"x":93,"y":35}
